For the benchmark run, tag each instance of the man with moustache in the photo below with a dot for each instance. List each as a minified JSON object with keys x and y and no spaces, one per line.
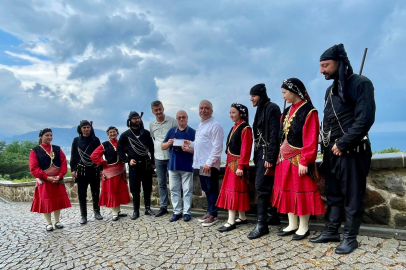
{"x":266,"y":149}
{"x":180,"y":167}
{"x":136,"y":148}
{"x":349,"y":113}
{"x":207,"y":147}
{"x":84,"y":170}
{"x":159,"y":127}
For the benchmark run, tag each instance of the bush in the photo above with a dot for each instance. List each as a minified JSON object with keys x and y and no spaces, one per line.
{"x":387,"y":150}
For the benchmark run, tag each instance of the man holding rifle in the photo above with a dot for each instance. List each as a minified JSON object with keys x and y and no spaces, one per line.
{"x":349,"y":113}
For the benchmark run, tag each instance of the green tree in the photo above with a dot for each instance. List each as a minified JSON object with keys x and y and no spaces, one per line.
{"x":14,"y":159}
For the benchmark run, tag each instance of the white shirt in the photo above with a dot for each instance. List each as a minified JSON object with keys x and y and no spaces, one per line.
{"x":208,"y":144}
{"x":158,"y":132}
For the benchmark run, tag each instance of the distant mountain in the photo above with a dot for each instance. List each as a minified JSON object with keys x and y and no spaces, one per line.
{"x":61,"y":136}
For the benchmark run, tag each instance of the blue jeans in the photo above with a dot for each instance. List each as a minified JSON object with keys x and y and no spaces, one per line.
{"x":161,"y":173}
{"x":210,"y":186}
{"x":181,"y":181}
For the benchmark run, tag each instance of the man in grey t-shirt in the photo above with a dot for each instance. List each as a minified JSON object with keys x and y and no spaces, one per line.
{"x":158,"y":128}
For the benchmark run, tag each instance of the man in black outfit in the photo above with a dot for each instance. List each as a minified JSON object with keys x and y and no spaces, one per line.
{"x":84,"y":171}
{"x":136,"y":147}
{"x":349,"y":113}
{"x":266,"y":142}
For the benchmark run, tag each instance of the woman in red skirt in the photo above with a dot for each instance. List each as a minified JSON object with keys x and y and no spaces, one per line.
{"x":295,"y":192}
{"x":48,"y":165}
{"x":234,"y":194}
{"x":114,"y":190}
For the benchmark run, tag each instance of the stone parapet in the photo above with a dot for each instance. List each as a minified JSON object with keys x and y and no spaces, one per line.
{"x":385,"y":198}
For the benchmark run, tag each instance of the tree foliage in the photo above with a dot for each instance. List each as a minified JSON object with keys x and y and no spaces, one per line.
{"x":14,"y":158}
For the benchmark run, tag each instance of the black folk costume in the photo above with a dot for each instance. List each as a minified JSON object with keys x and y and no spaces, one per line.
{"x":137,"y":144}
{"x":266,"y":148}
{"x":88,"y":173}
{"x":349,"y":114}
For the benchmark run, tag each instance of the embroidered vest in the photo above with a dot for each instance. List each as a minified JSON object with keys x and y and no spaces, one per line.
{"x":44,"y":160}
{"x":292,"y":128}
{"x":234,"y":139}
{"x":110,"y":153}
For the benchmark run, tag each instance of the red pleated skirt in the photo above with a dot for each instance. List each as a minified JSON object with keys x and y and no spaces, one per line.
{"x":294,"y":194}
{"x":49,"y":197}
{"x":114,"y":192}
{"x":233,"y":193}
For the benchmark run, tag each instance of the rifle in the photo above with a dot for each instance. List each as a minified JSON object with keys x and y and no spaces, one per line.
{"x":363,"y":61}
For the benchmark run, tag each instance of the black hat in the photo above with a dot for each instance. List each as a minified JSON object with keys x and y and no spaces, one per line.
{"x":296,"y":86}
{"x":84,"y":123}
{"x":258,"y":90}
{"x":133,"y":114}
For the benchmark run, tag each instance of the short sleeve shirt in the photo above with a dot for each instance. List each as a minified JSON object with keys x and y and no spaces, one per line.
{"x":158,"y":132}
{"x":180,"y":161}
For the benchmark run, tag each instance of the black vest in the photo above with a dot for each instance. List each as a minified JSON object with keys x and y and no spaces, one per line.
{"x":110,"y":154}
{"x":295,"y":134}
{"x":44,"y":161}
{"x":234,"y":139}
{"x":344,"y":111}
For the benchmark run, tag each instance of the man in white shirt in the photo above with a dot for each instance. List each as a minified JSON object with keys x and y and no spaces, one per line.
{"x":208,"y":146}
{"x":158,"y":128}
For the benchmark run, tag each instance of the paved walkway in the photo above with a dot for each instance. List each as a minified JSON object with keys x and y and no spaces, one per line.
{"x":155,"y":243}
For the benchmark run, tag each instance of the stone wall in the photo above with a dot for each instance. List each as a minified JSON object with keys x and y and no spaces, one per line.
{"x":385,"y":198}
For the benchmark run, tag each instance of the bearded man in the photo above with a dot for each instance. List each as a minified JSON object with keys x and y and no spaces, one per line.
{"x":349,"y":113}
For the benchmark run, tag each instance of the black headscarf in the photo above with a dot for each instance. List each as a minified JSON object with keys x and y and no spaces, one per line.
{"x":110,"y":128}
{"x":243,"y":110}
{"x":42,"y":132}
{"x":338,"y":53}
{"x":92,"y":136}
{"x":296,"y":86}
{"x":259,"y":90}
{"x":134,"y":114}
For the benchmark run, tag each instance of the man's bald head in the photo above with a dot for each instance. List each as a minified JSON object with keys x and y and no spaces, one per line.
{"x":182,"y":119}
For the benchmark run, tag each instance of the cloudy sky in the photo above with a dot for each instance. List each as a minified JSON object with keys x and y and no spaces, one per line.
{"x":97,"y":60}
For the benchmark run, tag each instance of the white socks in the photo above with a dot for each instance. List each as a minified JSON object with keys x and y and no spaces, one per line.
{"x":48,"y":218}
{"x":115,"y":210}
{"x":292,"y":223}
{"x":241,"y":215}
{"x":231,"y":218}
{"x":304,"y":225}
{"x":57,"y":214}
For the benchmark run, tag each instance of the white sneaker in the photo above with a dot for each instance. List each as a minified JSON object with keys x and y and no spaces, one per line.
{"x":203,"y":219}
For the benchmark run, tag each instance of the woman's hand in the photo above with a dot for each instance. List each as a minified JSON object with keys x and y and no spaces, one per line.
{"x":239,"y":172}
{"x":302,"y":170}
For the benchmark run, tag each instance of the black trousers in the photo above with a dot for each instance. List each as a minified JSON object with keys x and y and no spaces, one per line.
{"x":345,"y":178}
{"x":263,"y":183}
{"x":86,"y":177}
{"x":138,"y":174}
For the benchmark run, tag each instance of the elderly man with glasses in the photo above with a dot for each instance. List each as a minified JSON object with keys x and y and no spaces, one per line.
{"x":180,"y":166}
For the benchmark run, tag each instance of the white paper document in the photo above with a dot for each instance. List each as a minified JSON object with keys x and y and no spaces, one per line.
{"x":178,"y":142}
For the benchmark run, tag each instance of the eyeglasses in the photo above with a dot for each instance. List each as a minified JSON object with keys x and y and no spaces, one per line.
{"x":181,"y":117}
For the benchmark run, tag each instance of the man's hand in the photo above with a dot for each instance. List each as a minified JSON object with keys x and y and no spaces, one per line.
{"x":268,"y":164}
{"x":206,"y":169}
{"x":186,"y":143}
{"x":336,"y":151}
{"x":302,"y":170}
{"x":171,"y":141}
{"x":132,"y":162}
{"x":187,"y":149}
{"x":153,"y":166}
{"x":74,"y":175}
{"x":239,"y":172}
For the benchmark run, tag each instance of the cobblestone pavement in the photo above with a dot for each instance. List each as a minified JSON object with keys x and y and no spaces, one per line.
{"x":155,"y":243}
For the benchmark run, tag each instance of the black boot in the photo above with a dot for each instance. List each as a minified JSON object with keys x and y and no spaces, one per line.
{"x":147,"y":203}
{"x":351,"y":230}
{"x":262,"y":226}
{"x":96,"y":207}
{"x":83,"y":212}
{"x":136,"y":206}
{"x":273,"y":217}
{"x":333,"y":223}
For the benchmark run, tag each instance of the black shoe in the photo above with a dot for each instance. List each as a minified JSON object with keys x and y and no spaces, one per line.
{"x":162,"y":211}
{"x":283,"y":233}
{"x":97,"y":215}
{"x":298,"y":237}
{"x":135,"y":215}
{"x":258,"y":232}
{"x":326,"y":237}
{"x":49,"y":228}
{"x":83,"y":220}
{"x":58,"y":225}
{"x":115,"y":218}
{"x":240,"y":221}
{"x":175,"y":217}
{"x":149,"y":212}
{"x":347,"y":246}
{"x":186,"y":217}
{"x":227,"y":229}
{"x":120,"y":214}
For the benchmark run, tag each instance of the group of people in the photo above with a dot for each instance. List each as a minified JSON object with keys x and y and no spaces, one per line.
{"x":285,"y":150}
